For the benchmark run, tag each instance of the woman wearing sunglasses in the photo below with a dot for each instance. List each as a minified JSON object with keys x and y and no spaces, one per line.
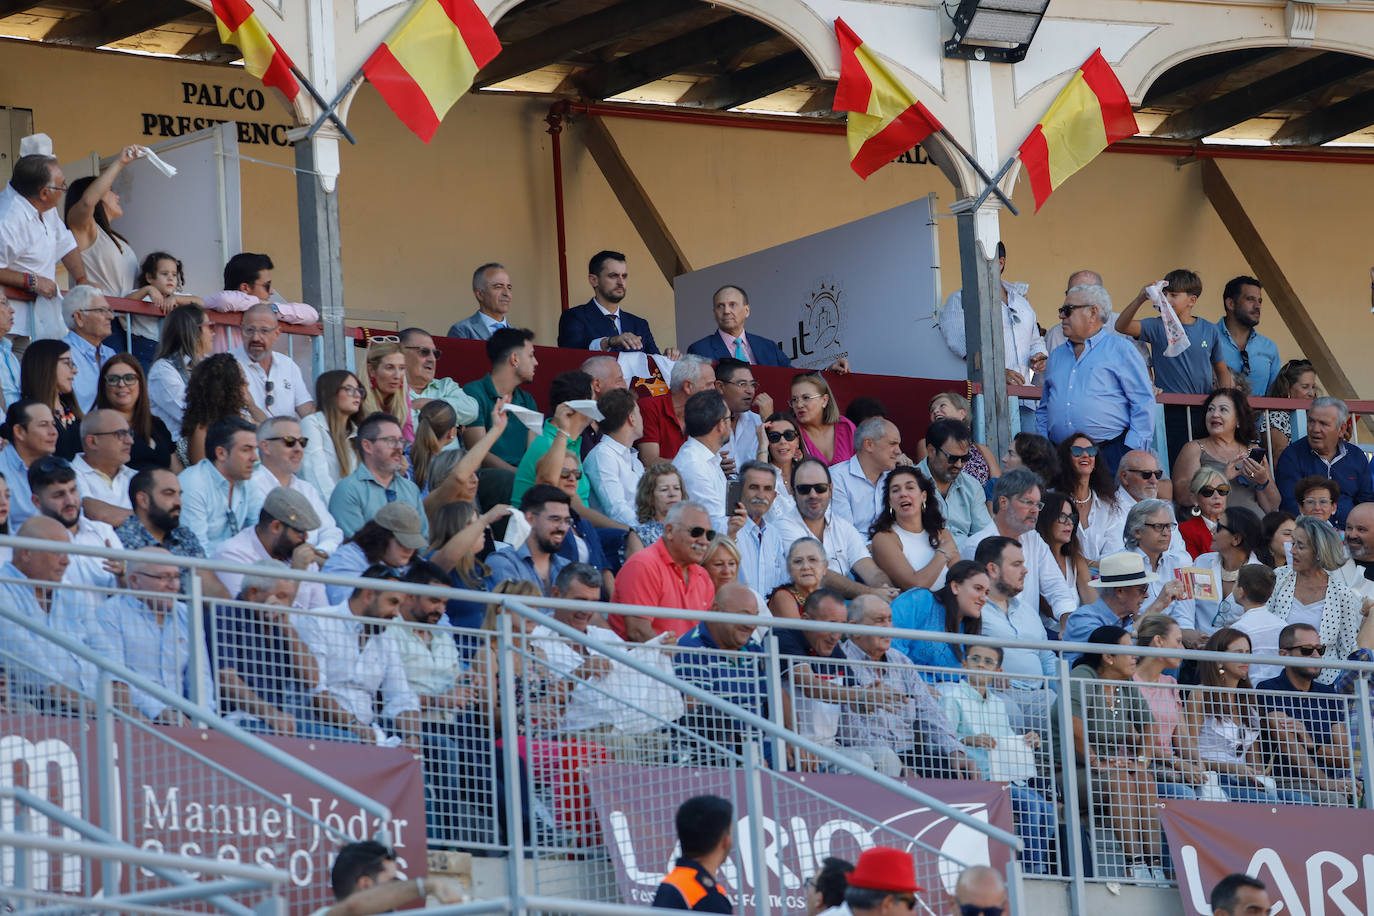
{"x":784,"y":451}
{"x":1057,"y":525}
{"x":1309,"y":590}
{"x":1209,"y":493}
{"x":1086,"y":480}
{"x":1229,"y":448}
{"x":124,"y":388}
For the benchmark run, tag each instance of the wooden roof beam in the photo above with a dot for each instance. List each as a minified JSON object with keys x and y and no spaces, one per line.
{"x":717,"y":40}
{"x":730,"y":90}
{"x":1322,"y":125}
{"x":116,"y":21}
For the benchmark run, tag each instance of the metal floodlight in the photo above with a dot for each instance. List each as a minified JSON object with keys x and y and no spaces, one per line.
{"x":996,"y":30}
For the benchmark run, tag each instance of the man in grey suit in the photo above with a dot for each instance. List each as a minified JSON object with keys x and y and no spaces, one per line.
{"x":491,"y":286}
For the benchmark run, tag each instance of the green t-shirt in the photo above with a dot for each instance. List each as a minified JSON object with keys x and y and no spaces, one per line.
{"x":511,"y":446}
{"x":524,"y":476}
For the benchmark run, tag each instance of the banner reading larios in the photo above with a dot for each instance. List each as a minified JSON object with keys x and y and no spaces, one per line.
{"x":166,"y":801}
{"x":801,"y":827}
{"x":1313,"y":860}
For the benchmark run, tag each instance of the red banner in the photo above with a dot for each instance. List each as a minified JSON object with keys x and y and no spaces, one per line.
{"x":1313,"y":860}
{"x":167,"y":801}
{"x":801,"y":827}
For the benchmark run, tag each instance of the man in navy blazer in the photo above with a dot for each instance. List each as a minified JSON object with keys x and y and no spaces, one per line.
{"x":602,"y":324}
{"x":730,"y":308}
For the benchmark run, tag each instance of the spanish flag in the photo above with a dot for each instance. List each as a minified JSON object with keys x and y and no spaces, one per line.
{"x":1090,"y":115}
{"x":262,"y":57}
{"x":429,"y":60}
{"x":885,"y":120}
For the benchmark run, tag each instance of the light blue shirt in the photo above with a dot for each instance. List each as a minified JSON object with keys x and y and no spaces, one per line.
{"x":17,"y":476}
{"x":348,"y":560}
{"x":1102,"y":392}
{"x":964,"y":507}
{"x":214,"y":509}
{"x":516,"y":563}
{"x":89,"y":358}
{"x":358,"y":496}
{"x":40,"y":663}
{"x":856,"y":498}
{"x":1264,"y":359}
{"x":9,"y":371}
{"x":1020,"y":621}
{"x":127,"y":631}
{"x":1089,"y":617}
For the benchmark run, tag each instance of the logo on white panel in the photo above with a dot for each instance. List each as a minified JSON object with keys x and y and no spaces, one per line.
{"x":820,"y":325}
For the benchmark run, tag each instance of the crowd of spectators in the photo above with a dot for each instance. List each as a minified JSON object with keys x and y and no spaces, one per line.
{"x":160,"y":438}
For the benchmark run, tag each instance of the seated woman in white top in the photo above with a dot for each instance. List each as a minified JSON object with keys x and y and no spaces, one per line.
{"x":187,"y":338}
{"x":909,"y":539}
{"x":329,"y":454}
{"x":1057,"y":525}
{"x":613,"y":467}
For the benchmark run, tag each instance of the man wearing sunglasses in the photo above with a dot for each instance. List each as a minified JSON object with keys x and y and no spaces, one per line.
{"x":883,"y":883}
{"x":1139,"y":477}
{"x":422,"y":364}
{"x":667,"y":574}
{"x":281,"y":449}
{"x":1307,"y":723}
{"x":961,"y":498}
{"x":980,"y":891}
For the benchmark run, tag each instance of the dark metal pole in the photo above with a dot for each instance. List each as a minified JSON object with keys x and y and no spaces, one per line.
{"x":321,"y":247}
{"x":982,"y":301}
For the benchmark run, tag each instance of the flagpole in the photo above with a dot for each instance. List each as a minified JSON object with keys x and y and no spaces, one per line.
{"x":992,"y":183}
{"x":329,"y":111}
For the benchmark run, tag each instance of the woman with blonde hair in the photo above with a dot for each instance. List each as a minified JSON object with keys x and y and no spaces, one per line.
{"x":660,"y":488}
{"x":329,"y":453}
{"x":825,"y":433}
{"x":435,"y":431}
{"x":387,"y":391}
{"x":1210,"y":493}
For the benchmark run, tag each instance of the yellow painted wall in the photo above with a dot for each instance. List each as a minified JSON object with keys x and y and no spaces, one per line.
{"x":416,"y":220}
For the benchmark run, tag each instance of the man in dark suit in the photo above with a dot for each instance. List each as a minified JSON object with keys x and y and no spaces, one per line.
{"x":602,"y":324}
{"x":730,"y":308}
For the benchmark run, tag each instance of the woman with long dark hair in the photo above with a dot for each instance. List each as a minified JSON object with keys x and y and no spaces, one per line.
{"x":908,"y":538}
{"x":217,"y":389}
{"x":124,"y":388}
{"x":955,"y":608}
{"x":1084,"y":478}
{"x":187,"y":338}
{"x":330,"y":456}
{"x":1226,"y":448}
{"x":1057,"y":525}
{"x":47,"y":374}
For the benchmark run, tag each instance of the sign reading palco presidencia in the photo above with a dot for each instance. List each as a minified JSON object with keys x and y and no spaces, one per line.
{"x":208,"y":104}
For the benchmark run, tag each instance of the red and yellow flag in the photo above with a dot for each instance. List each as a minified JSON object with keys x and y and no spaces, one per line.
{"x":1090,"y":115}
{"x":885,"y":119}
{"x":429,"y":60}
{"x":262,"y":57}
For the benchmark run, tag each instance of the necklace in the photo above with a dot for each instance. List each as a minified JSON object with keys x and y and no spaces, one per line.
{"x":1082,"y":501}
{"x":1229,"y":575}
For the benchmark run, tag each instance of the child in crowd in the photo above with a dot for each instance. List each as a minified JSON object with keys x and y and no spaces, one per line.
{"x":1250,"y":600}
{"x":981,"y":720}
{"x":160,"y":273}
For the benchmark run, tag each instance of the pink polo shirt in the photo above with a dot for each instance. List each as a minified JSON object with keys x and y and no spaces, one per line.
{"x":653,"y":578}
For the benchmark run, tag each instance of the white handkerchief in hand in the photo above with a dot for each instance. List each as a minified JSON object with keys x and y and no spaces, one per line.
{"x":1173,"y":328}
{"x":587,"y":407}
{"x":158,"y":162}
{"x":532,"y":419}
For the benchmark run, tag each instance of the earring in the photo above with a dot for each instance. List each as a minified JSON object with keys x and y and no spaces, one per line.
{"x":1221,"y":669}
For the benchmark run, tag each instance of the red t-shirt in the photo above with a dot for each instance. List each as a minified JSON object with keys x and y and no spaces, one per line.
{"x":660,"y":425}
{"x":651,"y":577}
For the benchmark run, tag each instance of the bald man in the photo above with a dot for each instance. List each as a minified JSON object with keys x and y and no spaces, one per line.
{"x":1358,"y":572}
{"x":1139,"y":476}
{"x":981,"y":888}
{"x":738,"y":678}
{"x":275,"y":383}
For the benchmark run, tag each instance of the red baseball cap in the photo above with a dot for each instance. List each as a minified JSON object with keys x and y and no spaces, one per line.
{"x":883,"y":868}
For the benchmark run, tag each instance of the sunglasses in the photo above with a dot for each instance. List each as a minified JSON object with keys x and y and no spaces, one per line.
{"x":121,"y":381}
{"x":425,"y":352}
{"x":953,"y":459}
{"x":968,"y":909}
{"x":698,"y":531}
{"x":776,"y":436}
{"x":1078,"y":451}
{"x":1308,"y":651}
{"x":1209,"y":492}
{"x":291,"y":441}
{"x":1148,"y":475}
{"x":384,"y":338}
{"x":269,"y":399}
{"x":1066,"y":310}
{"x":908,"y":900}
{"x":570,"y":474}
{"x":806,"y":489}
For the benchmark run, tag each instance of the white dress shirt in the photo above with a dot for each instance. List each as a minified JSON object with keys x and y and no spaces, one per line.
{"x":246,"y":548}
{"x":351,"y":674}
{"x":89,"y":570}
{"x":167,"y":395}
{"x":613,"y":471}
{"x":844,"y":546}
{"x":93,"y":484}
{"x":761,"y":553}
{"x":33,"y":243}
{"x":702,"y":478}
{"x":589,"y":706}
{"x":327,"y":537}
{"x":1018,"y":327}
{"x":1113,"y":532}
{"x":289,"y":390}
{"x":744,"y":439}
{"x":1183,"y":610}
{"x":1044,"y":578}
{"x":856,"y":499}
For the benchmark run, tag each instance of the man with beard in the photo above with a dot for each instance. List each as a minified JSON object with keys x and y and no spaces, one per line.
{"x":961,"y":499}
{"x":549,"y":513}
{"x":282,"y":533}
{"x":53,"y":483}
{"x":1251,"y":356}
{"x":601,"y":324}
{"x":156,"y":522}
{"x":1358,"y":572}
{"x":274,"y":380}
{"x":1008,"y":614}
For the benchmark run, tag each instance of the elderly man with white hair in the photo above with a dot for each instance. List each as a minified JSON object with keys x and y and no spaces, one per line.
{"x":858,"y":482}
{"x":88,"y":318}
{"x":1096,"y":384}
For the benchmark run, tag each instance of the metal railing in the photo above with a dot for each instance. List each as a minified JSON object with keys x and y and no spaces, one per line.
{"x":647,"y":722}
